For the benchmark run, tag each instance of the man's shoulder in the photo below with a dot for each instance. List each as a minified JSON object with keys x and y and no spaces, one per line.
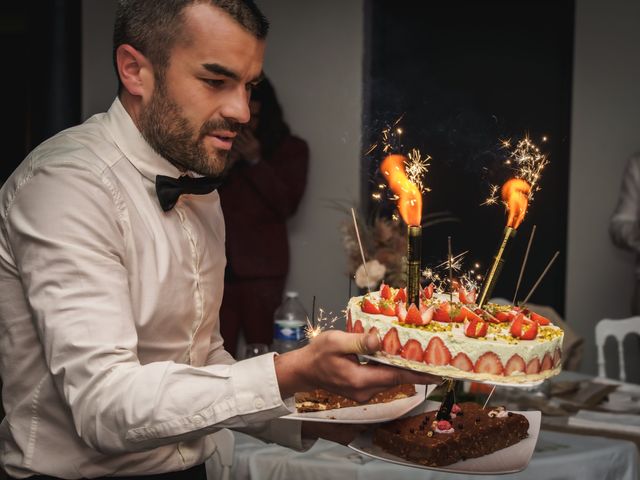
{"x":89,"y":145}
{"x":86,"y":148}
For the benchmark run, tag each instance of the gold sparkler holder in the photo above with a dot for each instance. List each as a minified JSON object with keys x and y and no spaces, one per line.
{"x":494,"y":272}
{"x":414,"y":253}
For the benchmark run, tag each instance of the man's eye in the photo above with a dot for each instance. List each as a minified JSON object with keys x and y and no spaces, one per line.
{"x":212,"y":82}
{"x":251,"y":86}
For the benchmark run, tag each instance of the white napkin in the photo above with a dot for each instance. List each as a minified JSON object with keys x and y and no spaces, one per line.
{"x":625,"y":399}
{"x":616,"y":422}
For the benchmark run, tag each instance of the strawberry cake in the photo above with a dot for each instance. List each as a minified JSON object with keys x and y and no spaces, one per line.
{"x":456,"y":339}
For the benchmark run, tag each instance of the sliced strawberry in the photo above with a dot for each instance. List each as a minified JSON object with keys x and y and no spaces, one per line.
{"x":357,"y":327}
{"x":450,"y":312}
{"x":489,"y":362}
{"x":505,"y":316}
{"x":400,"y":296}
{"x":467,"y":297}
{"x":533,"y":366}
{"x":557,"y":358}
{"x":369,"y":307}
{"x":437,"y":352}
{"x":462,"y":362}
{"x":539,"y":319}
{"x":516,"y":326}
{"x":374,"y":330}
{"x":391,"y":342}
{"x":459,"y":313}
{"x":514,"y":364}
{"x":441,"y":313}
{"x":413,"y":315}
{"x":385,"y":291}
{"x":467,"y":314}
{"x":486,"y":316}
{"x":427,"y":292}
{"x":387,"y":307}
{"x":401,"y":311}
{"x":547,"y":363}
{"x":426,"y":314}
{"x":412,"y":350}
{"x":523,"y":328}
{"x":476,"y":328}
{"x":349,"y":322}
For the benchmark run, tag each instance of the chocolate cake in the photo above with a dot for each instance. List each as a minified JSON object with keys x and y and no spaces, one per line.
{"x":320,"y":400}
{"x":470,"y":432}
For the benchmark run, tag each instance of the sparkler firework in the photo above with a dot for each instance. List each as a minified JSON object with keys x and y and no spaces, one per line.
{"x":469,"y":279}
{"x":527,"y":162}
{"x":415,"y":165}
{"x":410,"y":208}
{"x":323,"y":322}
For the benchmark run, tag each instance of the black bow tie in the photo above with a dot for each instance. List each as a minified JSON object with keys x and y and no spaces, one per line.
{"x":169,"y":189}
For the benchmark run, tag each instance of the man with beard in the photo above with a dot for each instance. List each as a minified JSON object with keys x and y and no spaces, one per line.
{"x":112,"y":264}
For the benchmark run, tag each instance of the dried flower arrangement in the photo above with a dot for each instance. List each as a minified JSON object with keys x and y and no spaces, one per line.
{"x":384,"y":241}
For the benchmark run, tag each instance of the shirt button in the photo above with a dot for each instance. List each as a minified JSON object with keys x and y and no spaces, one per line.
{"x":198,"y":420}
{"x":258,"y":403}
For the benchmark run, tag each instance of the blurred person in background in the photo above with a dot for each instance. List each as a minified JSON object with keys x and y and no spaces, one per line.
{"x":623,"y":228}
{"x":262,"y":191}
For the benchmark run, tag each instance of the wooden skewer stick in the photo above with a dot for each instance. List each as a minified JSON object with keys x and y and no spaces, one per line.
{"x":524,"y":263}
{"x":489,"y":397}
{"x":313,"y":312}
{"x":450,"y":270}
{"x":544,"y":272}
{"x":364,"y":262}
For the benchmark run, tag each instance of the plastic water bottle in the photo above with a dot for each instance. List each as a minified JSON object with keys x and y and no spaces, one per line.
{"x":289,"y":322}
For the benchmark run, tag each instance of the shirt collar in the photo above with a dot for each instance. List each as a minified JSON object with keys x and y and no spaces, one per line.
{"x":133,"y":145}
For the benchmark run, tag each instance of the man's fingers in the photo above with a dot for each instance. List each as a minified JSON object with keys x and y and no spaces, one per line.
{"x":360,"y":343}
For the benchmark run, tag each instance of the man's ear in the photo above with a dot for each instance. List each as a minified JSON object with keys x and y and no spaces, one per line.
{"x":135,"y":71}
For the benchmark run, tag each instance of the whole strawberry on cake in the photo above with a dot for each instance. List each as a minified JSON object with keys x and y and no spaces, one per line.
{"x":456,"y":339}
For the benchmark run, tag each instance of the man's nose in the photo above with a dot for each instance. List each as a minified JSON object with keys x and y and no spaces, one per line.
{"x":237,"y":106}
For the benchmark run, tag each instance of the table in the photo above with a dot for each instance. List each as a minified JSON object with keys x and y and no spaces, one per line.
{"x":562,"y":421}
{"x":557,"y":456}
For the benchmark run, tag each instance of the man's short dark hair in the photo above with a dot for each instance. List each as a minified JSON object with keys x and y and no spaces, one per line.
{"x":154,"y":26}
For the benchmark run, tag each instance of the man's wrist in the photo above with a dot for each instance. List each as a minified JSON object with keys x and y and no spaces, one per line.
{"x":290,"y":372}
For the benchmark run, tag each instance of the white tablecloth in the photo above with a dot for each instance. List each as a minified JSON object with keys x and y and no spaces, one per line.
{"x":557,"y":456}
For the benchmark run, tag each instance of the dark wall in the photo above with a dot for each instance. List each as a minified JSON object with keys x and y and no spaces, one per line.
{"x":41,"y":80}
{"x":466,"y":74}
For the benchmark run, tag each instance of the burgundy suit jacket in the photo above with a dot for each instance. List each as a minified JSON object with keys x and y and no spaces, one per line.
{"x":257,"y":201}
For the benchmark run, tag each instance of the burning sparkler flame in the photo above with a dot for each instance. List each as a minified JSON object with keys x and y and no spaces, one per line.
{"x":515,"y":193}
{"x":322,"y":323}
{"x":408,"y":193}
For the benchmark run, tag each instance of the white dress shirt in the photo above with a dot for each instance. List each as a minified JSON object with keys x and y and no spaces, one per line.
{"x":624,"y":227}
{"x":110,"y":351}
